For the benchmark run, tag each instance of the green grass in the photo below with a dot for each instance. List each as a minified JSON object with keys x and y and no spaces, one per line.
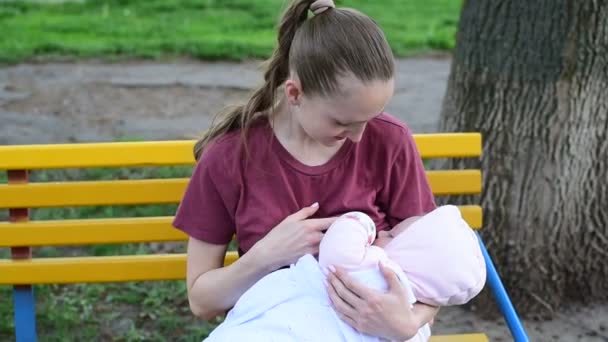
{"x":205,"y":29}
{"x":134,"y":311}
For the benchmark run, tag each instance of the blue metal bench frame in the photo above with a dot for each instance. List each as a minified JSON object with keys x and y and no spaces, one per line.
{"x":503,"y":300}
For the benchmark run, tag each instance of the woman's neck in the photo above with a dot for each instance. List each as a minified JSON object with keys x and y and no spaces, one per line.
{"x":292,"y":136}
{"x":287,"y":128}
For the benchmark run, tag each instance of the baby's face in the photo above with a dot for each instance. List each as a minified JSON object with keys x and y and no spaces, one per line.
{"x":385,"y":236}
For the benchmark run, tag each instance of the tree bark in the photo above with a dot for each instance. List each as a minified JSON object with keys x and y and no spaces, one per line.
{"x":532,"y":77}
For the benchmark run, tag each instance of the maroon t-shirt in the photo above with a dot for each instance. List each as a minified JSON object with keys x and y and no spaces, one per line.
{"x":381,"y":175}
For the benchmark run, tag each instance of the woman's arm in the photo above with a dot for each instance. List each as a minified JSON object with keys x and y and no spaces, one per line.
{"x":425,"y":313}
{"x":212,"y":288}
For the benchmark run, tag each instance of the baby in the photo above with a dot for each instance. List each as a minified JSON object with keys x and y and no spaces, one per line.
{"x":438,"y":252}
{"x":350,"y":243}
{"x":436,"y":256}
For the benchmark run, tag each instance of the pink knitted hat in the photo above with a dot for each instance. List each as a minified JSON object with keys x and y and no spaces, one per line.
{"x":441,"y":257}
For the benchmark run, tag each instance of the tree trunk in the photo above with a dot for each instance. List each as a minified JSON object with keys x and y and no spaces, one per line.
{"x":532,"y":77}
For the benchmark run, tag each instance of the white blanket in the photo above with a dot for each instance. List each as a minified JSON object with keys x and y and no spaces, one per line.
{"x":293,"y":305}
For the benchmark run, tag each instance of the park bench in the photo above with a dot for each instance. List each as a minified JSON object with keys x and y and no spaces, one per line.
{"x":20,"y":233}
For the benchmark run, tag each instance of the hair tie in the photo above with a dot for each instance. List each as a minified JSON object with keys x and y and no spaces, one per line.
{"x":320,"y":6}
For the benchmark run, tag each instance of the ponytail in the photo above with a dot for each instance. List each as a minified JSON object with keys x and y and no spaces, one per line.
{"x":263,"y":99}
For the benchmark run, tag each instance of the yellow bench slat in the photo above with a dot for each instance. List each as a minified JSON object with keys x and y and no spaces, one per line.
{"x":111,"y":154}
{"x":156,"y":153}
{"x":119,"y":192}
{"x":460,"y":338}
{"x":449,"y":145}
{"x":152,"y":191}
{"x":96,"y":269}
{"x":89,"y":231}
{"x":451,"y":182}
{"x":121,"y":230}
{"x":473,"y":214}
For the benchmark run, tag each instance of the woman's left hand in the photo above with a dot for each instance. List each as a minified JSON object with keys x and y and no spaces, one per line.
{"x":372,"y":312}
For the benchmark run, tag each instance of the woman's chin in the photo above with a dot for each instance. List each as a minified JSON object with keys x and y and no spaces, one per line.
{"x":333,"y":142}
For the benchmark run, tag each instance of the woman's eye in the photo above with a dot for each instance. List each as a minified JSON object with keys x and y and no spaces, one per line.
{"x":340,"y":124}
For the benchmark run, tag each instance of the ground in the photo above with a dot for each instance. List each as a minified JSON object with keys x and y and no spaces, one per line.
{"x":89,"y":101}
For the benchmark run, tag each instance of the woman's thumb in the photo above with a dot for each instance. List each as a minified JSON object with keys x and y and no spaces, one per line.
{"x":391,"y":277}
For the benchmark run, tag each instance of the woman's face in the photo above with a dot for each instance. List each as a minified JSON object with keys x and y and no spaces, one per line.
{"x":329,"y":120}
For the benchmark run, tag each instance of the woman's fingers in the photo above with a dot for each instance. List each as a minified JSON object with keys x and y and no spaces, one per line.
{"x":341,"y":304}
{"x":344,"y":285}
{"x":347,"y":320}
{"x":303,"y":213}
{"x":383,"y":314}
{"x":320,"y":224}
{"x":351,"y":285}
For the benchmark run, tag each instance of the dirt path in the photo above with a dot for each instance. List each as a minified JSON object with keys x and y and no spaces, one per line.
{"x":94,"y":102}
{"x":56,"y":103}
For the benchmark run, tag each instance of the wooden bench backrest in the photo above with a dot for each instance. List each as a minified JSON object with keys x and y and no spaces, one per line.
{"x":147,"y":191}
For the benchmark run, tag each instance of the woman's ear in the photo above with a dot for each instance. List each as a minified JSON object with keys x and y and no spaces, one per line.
{"x":293,"y":91}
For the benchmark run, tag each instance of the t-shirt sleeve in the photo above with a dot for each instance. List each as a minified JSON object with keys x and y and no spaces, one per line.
{"x":406,"y":191}
{"x":206,"y":211}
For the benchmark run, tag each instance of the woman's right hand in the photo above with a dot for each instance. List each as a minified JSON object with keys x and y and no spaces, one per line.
{"x":291,"y":239}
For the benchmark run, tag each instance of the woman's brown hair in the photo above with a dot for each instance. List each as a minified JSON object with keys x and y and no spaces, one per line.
{"x":336,"y":42}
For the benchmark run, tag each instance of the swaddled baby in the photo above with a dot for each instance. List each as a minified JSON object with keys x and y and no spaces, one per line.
{"x":436,"y":257}
{"x":348,"y":243}
{"x":438,"y":252}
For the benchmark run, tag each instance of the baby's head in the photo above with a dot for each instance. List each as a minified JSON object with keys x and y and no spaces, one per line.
{"x":386,"y":236}
{"x":440,"y":254}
